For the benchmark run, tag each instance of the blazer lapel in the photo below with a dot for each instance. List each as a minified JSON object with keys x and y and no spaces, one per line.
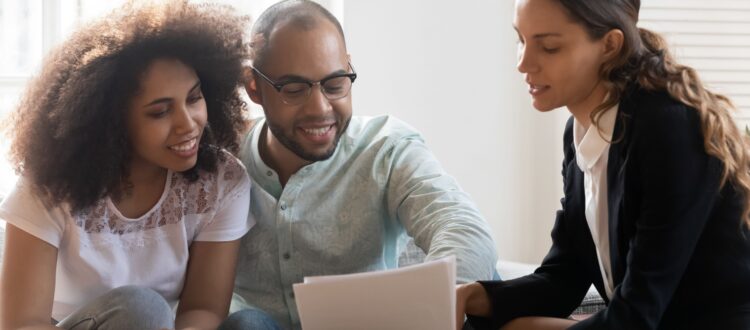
{"x":618,"y":160}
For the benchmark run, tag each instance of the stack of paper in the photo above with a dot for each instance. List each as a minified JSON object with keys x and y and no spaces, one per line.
{"x":416,"y":297}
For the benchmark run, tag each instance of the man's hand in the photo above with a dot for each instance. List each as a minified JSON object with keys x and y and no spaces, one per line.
{"x":471,"y":298}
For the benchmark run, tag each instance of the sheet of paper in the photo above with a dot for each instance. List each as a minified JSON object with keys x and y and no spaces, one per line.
{"x":416,"y":297}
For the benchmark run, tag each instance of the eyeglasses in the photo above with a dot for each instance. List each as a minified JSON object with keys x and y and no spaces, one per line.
{"x":296,"y":91}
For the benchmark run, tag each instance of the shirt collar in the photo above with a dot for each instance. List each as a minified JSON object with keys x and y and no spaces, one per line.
{"x":591,"y":144}
{"x":255,"y":146}
{"x":264,"y":175}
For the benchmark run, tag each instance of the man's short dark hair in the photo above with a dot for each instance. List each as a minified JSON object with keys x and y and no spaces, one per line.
{"x":304,"y":14}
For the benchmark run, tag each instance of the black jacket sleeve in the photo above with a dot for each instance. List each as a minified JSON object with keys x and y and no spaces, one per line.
{"x":557,"y":287}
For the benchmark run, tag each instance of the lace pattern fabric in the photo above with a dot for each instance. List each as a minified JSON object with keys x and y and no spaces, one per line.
{"x":181,"y":198}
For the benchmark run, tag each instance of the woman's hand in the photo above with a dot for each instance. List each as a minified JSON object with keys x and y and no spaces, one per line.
{"x":471,"y":298}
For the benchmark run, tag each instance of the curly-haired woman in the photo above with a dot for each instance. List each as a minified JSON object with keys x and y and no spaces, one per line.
{"x":129,"y":199}
{"x":657,"y":182}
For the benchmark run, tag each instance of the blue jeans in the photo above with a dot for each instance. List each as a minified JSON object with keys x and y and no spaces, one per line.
{"x":249,"y":319}
{"x":126,"y":307}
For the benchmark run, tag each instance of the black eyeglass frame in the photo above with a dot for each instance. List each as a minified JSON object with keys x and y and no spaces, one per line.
{"x":279,"y":85}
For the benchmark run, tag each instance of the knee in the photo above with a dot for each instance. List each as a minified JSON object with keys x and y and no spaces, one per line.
{"x":249,"y":319}
{"x":143,"y":305}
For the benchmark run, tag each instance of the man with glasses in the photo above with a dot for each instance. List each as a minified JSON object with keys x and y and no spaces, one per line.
{"x":332,"y":193}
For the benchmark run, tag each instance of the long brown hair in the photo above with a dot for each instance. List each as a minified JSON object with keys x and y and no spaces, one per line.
{"x":646,"y":60}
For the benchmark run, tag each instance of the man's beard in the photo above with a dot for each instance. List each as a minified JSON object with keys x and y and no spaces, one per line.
{"x":298,"y":150}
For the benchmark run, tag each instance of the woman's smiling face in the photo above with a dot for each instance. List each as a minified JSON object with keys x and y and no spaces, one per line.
{"x":167,"y":117}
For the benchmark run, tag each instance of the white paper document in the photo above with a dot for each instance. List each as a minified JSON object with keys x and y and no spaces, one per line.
{"x":415,"y":297}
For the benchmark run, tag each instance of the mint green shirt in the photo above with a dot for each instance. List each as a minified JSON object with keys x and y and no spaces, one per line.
{"x":352,"y":213}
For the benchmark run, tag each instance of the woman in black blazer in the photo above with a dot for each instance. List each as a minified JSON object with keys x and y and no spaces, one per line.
{"x":656,"y":215}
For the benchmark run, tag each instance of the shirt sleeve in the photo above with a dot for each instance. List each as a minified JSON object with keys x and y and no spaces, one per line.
{"x":442,"y":218}
{"x":232,"y":219}
{"x":24,"y":209}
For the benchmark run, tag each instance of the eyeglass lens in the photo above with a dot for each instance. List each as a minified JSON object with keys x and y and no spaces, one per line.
{"x":333,"y":88}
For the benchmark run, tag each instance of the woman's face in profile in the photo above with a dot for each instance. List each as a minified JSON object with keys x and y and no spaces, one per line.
{"x":559,"y":60}
{"x":167,"y":117}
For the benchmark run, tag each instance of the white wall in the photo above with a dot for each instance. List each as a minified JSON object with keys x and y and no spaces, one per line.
{"x":448,"y":69}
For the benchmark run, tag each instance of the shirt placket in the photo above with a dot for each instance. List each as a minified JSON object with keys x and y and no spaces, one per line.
{"x":285,"y":218}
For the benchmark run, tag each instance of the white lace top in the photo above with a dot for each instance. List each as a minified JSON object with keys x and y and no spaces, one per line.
{"x":99,"y":249}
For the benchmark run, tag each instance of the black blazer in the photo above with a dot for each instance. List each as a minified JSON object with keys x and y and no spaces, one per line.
{"x":679,"y":252}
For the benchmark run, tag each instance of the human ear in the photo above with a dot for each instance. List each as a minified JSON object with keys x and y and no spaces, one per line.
{"x":251,"y":86}
{"x":613,"y":42}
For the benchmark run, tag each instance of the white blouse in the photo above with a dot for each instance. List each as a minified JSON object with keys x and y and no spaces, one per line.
{"x":592,"y":156}
{"x":99,"y":249}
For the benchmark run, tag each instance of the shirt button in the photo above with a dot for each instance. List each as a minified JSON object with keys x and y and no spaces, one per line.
{"x":269,"y":173}
{"x":283,"y":206}
{"x":287,"y":256}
